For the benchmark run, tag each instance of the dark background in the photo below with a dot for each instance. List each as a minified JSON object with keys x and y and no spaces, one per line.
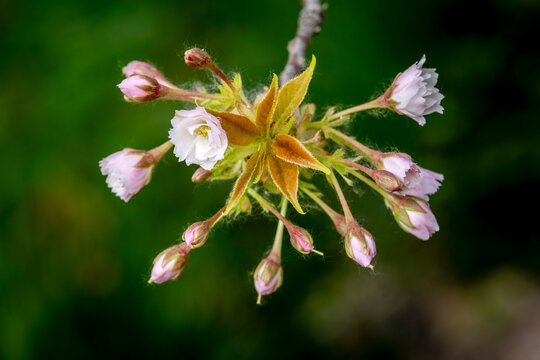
{"x":74,"y":259}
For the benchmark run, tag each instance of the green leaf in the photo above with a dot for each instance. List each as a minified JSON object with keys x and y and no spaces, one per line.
{"x":285,"y":176}
{"x":266,"y":107}
{"x":291,"y":96}
{"x":252,"y":168}
{"x":291,"y":150}
{"x":240,"y":130}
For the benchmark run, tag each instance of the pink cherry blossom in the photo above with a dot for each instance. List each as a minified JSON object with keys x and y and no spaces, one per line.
{"x":198,"y":138}
{"x":414,"y":93}
{"x":416,"y":181}
{"x":124,"y":174}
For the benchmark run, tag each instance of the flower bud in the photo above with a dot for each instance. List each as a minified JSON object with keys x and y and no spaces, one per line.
{"x":386,"y":180}
{"x":197,"y":58}
{"x":140,"y":88}
{"x":200,"y":175}
{"x":301,"y":240}
{"x":170,"y":263}
{"x":244,"y":205}
{"x":141,"y":68}
{"x":268,"y":275}
{"x":359,"y":244}
{"x":413,"y":215}
{"x":197,"y":234}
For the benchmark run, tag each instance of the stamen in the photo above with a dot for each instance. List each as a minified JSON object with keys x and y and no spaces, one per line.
{"x":202,"y":130}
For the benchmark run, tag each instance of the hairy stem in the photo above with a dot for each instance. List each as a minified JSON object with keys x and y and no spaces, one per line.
{"x":276,"y":248}
{"x":346,"y":211}
{"x":369,"y":105}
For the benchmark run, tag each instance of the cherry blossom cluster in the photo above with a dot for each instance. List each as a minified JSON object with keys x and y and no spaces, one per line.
{"x":272,"y":146}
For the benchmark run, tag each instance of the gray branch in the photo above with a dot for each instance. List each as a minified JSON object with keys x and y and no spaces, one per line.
{"x":309,"y":24}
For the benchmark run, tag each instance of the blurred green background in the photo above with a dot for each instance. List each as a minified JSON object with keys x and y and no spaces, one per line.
{"x":74,"y":259}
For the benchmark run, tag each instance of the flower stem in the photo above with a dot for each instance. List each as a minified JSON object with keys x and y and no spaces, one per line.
{"x":377,"y":103}
{"x":158,"y":152}
{"x":327,"y":209}
{"x":372,"y":184}
{"x":184,"y":95}
{"x":370,"y":154}
{"x":223,"y":77}
{"x":276,"y":248}
{"x":265,"y":204}
{"x":346,"y":210}
{"x":360,"y":167}
{"x":217,"y":216}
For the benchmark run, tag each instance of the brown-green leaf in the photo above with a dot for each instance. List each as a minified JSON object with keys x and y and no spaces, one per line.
{"x":291,"y":95}
{"x":252,"y":166}
{"x":240,"y":130}
{"x":291,"y":150}
{"x":266,"y":107}
{"x":285,"y":176}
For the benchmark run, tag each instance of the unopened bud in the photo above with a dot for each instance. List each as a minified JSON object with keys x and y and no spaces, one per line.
{"x":197,"y":58}
{"x":244,"y":205}
{"x":413,"y":215}
{"x":301,"y":240}
{"x":200,"y":175}
{"x":141,"y":68}
{"x":386,"y":180}
{"x":268,"y":276}
{"x":359,"y":244}
{"x":140,"y":88}
{"x":197,"y":234}
{"x":170,"y":263}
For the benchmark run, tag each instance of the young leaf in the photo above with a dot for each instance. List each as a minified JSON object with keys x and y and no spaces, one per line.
{"x":285,"y":176}
{"x":291,"y":150}
{"x":291,"y":95}
{"x":266,"y":107}
{"x":261,"y":166}
{"x":240,"y":130}
{"x":242,"y":183}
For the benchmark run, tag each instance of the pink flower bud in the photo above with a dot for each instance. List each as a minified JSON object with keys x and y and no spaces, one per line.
{"x":269,"y":275}
{"x":140,"y":88}
{"x":197,"y":58}
{"x":301,"y":240}
{"x":414,"y":94}
{"x":141,"y":68}
{"x":359,"y":244}
{"x":197,"y":234}
{"x":170,"y":263}
{"x":414,"y":216}
{"x":200,"y":175}
{"x":127,"y":171}
{"x":386,"y":180}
